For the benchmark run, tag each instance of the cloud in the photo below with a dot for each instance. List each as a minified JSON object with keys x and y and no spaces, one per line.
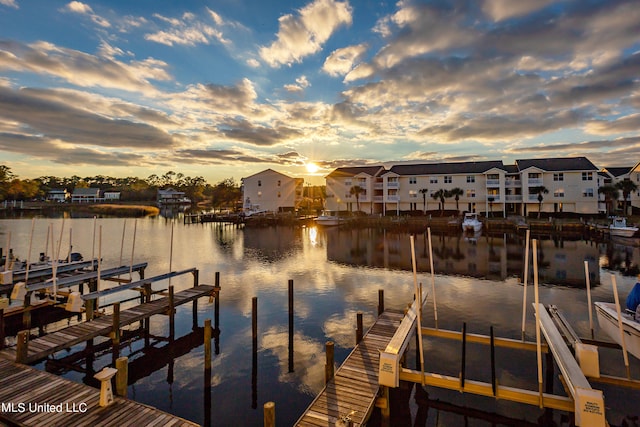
{"x":499,"y":10}
{"x":10,"y":3}
{"x":255,"y":134}
{"x":301,"y":84}
{"x":304,"y":34}
{"x":187,"y":31}
{"x":80,"y":68}
{"x":84,"y":9}
{"x":342,"y":61}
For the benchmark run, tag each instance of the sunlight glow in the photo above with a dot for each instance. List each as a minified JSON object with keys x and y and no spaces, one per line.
{"x":312,"y":167}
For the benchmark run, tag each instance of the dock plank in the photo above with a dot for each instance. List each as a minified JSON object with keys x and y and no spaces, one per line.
{"x":354,"y":388}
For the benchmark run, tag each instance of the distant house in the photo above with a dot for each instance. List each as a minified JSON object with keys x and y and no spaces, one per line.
{"x":614,"y":175}
{"x":58,"y":195}
{"x":169,"y":196}
{"x":85,"y":195}
{"x":271,"y":191}
{"x":111,"y":196}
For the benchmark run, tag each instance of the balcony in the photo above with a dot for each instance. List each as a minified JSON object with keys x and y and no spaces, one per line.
{"x":379,"y":199}
{"x":496,"y":198}
{"x":393,"y":184}
{"x":493,"y":183}
{"x":533,"y":197}
{"x":512,"y":183}
{"x":378,"y":186}
{"x":512,"y":198}
{"x":534,"y":181}
{"x":393,"y":198}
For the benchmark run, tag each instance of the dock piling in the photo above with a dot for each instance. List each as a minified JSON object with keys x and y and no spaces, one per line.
{"x":122,"y":377}
{"x":22,"y":346}
{"x":464,"y":355}
{"x":172,"y":314}
{"x":269,"y":414}
{"x":380,"y":301}
{"x":359,"y":328}
{"x":291,"y":327}
{"x":1,"y":328}
{"x":329,"y":367}
{"x":207,"y":346}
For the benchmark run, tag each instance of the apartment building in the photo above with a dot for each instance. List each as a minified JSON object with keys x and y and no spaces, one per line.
{"x":271,"y":191}
{"x":564,"y":184}
{"x":614,"y":175}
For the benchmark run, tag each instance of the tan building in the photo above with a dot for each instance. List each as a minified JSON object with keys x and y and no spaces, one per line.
{"x":570,"y":185}
{"x":614,"y":175}
{"x":271,"y":191}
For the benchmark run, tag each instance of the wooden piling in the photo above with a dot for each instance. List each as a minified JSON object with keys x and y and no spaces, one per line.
{"x":464,"y":354}
{"x":1,"y":328}
{"x":329,"y":366}
{"x":291,"y":326}
{"x":172,"y":314}
{"x":493,"y":360}
{"x":22,"y":346}
{"x":359,"y":328}
{"x":216,"y":307}
{"x":254,"y":318}
{"x":269,"y":414}
{"x":207,"y":345}
{"x":115,"y":325}
{"x":122,"y":377}
{"x":380,"y":301}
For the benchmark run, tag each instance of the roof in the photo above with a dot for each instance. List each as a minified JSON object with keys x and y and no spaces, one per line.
{"x":264,"y":171}
{"x":447,"y":168}
{"x":618,"y":171}
{"x":169,"y":191}
{"x":86,"y":191}
{"x":560,"y":164}
{"x":355,"y":170}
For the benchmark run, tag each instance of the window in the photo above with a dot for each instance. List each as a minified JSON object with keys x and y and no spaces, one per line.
{"x":558,"y":176}
{"x":347,"y":182}
{"x":259,"y":183}
{"x":448,"y":179}
{"x":413,"y":180}
{"x":413,"y":194}
{"x":558,"y":192}
{"x":493,"y":176}
{"x":471,"y":178}
{"x":588,"y":192}
{"x":362,"y":182}
{"x":587,"y":176}
{"x":471,"y":193}
{"x":278,"y":186}
{"x":534,"y":175}
{"x":433,"y":180}
{"x":259,"y":193}
{"x":278,"y":192}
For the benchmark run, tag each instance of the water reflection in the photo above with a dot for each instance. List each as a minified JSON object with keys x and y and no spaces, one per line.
{"x":336,"y":273}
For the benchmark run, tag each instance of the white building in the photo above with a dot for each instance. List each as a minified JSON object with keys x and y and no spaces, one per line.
{"x":271,"y":191}
{"x":111,"y":196}
{"x":490,"y":186}
{"x":85,"y":195}
{"x":58,"y":195}
{"x":614,"y":175}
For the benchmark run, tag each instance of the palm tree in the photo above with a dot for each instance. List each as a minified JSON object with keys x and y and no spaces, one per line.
{"x":540,"y":190}
{"x":456,"y":193}
{"x":440,"y":195}
{"x":356,"y":190}
{"x":627,"y":187}
{"x":424,"y":192}
{"x":610,"y":193}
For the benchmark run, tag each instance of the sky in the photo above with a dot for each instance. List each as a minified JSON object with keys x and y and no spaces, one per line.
{"x":227,"y":88}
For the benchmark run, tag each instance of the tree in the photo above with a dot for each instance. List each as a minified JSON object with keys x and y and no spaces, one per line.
{"x":627,"y":187}
{"x":356,"y":190}
{"x":5,"y":179}
{"x":540,"y":190}
{"x":610,"y":193}
{"x":424,"y":192}
{"x":440,"y":195}
{"x":456,"y":193}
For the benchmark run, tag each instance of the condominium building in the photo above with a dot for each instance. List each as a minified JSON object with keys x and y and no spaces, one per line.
{"x":271,"y":191}
{"x":615,"y":175}
{"x":529,"y":185}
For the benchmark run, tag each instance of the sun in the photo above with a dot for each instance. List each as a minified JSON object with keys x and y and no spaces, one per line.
{"x":312,"y":167}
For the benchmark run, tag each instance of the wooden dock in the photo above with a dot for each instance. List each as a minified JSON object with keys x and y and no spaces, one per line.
{"x":33,"y":398}
{"x":353,"y":391}
{"x":40,"y":348}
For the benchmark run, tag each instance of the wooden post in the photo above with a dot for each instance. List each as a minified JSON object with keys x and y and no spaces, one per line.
{"x":216,"y":306}
{"x":359,"y":329}
{"x":464,"y":354}
{"x":172,"y":313}
{"x":115,"y":328}
{"x":385,"y":410}
{"x":329,"y":366}
{"x":88,"y":308}
{"x":493,"y":360}
{"x":291,"y":327}
{"x":254,"y":353}
{"x":22,"y":346}
{"x":1,"y":328}
{"x":380,"y":301}
{"x":207,"y":346}
{"x":269,"y":414}
{"x":122,"y":377}
{"x":26,"y":314}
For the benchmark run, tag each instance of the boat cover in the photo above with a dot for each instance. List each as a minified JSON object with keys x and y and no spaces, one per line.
{"x":633,"y":299}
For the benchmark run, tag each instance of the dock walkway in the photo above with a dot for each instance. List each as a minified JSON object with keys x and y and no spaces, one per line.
{"x":41,"y":347}
{"x":353,"y":390}
{"x":31,"y":397}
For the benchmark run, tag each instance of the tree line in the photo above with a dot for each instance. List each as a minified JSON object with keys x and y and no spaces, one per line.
{"x":226,"y":193}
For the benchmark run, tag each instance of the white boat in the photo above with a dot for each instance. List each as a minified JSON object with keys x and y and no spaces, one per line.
{"x":618,"y":227}
{"x":329,"y":218}
{"x":471,"y":222}
{"x":608,"y":321}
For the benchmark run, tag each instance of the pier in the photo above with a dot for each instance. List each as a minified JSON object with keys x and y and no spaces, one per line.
{"x":352,"y":393}
{"x":68,"y":403}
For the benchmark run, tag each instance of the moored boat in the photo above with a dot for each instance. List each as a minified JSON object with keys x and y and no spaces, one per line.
{"x":329,"y":218}
{"x":471,"y":222}
{"x":608,"y":321}
{"x":619,"y":227}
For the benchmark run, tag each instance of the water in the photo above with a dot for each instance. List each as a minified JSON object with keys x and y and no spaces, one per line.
{"x":337,"y":273}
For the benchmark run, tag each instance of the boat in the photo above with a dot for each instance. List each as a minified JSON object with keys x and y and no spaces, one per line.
{"x":329,"y":218}
{"x":608,"y":321}
{"x":471,"y":222}
{"x":618,"y":227}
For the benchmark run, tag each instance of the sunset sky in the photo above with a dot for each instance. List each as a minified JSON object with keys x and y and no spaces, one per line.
{"x":228,"y":88}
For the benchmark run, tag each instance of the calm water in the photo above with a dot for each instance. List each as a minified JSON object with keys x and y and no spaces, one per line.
{"x":337,"y":273}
